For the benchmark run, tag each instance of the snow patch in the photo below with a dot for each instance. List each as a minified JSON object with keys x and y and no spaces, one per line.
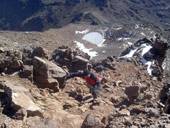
{"x":137,"y":26}
{"x":126,"y":38}
{"x":143,"y":34}
{"x":119,"y":39}
{"x":125,"y":45}
{"x":148,"y":63}
{"x":129,"y":43}
{"x":145,"y":62}
{"x":130,"y":54}
{"x":146,"y":48}
{"x":118,"y":28}
{"x":86,"y":50}
{"x":82,"y":32}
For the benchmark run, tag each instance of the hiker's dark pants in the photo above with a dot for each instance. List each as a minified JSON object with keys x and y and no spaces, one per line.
{"x":94,"y":91}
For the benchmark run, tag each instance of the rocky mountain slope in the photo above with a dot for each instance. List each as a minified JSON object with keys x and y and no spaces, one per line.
{"x":132,"y":60}
{"x":34,"y":92}
{"x":44,"y":14}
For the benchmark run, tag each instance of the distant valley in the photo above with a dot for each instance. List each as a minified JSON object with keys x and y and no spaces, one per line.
{"x":40,"y":15}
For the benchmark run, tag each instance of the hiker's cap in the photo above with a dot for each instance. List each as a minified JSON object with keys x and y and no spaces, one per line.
{"x":86,"y":72}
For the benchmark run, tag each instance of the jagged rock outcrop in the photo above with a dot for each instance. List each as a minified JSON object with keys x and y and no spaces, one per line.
{"x":155,"y":52}
{"x":48,"y":74}
{"x":74,"y":60}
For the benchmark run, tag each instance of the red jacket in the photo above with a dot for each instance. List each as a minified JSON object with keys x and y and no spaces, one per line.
{"x":91,"y":81}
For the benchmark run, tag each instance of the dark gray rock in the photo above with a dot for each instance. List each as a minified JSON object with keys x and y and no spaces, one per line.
{"x":92,"y":121}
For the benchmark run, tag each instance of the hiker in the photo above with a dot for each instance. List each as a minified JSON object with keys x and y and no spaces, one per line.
{"x":93,"y":81}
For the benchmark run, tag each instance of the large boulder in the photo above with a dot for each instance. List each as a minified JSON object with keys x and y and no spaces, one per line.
{"x":47,"y":74}
{"x":21,"y":98}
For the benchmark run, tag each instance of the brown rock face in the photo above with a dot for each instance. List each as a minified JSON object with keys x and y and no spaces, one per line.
{"x":47,"y":74}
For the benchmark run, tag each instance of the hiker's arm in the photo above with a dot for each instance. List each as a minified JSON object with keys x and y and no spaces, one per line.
{"x":75,"y":74}
{"x":94,"y":77}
